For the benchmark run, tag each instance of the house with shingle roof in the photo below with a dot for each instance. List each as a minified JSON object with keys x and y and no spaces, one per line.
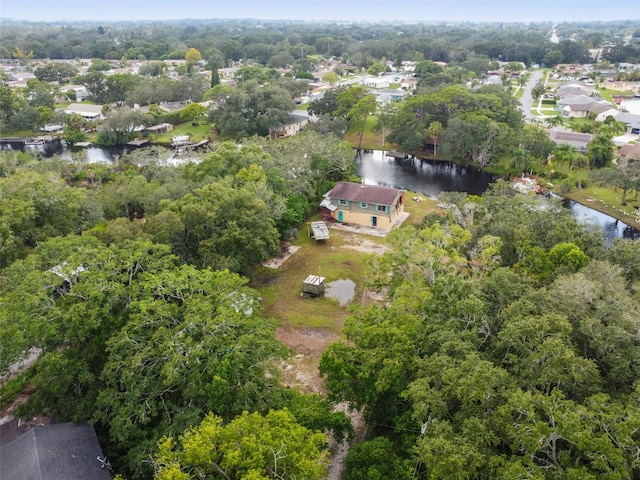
{"x":364,"y":205}
{"x":60,"y":451}
{"x":631,"y":120}
{"x":575,"y":139}
{"x":630,"y":151}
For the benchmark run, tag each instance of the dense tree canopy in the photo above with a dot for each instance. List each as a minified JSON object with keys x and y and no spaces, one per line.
{"x":253,"y":110}
{"x":488,"y":364}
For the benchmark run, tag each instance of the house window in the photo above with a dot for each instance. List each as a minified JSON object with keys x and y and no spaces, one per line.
{"x":343,"y":202}
{"x":381,"y":208}
{"x":364,"y":205}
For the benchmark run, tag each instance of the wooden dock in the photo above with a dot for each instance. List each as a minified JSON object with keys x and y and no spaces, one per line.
{"x":397,"y":155}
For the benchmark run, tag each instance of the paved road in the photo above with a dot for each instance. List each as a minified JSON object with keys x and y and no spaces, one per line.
{"x":526,"y":100}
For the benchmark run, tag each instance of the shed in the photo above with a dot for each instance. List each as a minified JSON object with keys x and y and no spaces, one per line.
{"x":313,"y":285}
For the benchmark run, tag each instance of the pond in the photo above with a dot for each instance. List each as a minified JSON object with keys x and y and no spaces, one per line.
{"x":344,"y":291}
{"x":432,"y":178}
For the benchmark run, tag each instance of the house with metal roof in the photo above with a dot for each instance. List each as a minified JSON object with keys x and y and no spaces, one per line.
{"x":365,"y":205}
{"x":88,"y":112}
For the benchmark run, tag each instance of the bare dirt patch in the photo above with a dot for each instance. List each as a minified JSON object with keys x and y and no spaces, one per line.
{"x":308,"y":344}
{"x":11,"y":427}
{"x":276,"y":262}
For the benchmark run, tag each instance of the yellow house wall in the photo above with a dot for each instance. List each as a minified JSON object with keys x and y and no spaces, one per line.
{"x":364,"y":219}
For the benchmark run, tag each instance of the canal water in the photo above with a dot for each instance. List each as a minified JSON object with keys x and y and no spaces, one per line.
{"x":91,"y":154}
{"x":432,"y":178}
{"x":375,"y":168}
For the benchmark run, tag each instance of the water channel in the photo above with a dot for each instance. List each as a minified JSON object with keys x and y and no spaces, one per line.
{"x":375,"y":168}
{"x":432,"y":178}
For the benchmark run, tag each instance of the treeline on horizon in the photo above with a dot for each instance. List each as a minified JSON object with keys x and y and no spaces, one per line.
{"x":226,"y":41}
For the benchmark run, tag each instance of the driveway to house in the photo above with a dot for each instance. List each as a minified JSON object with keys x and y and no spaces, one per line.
{"x":526,"y":100}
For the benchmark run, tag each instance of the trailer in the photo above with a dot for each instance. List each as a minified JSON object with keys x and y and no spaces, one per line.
{"x":319,"y":231}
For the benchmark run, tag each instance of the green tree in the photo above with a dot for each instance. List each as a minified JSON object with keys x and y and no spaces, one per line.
{"x":600,"y":149}
{"x":99,"y":65}
{"x":376,"y":460}
{"x":33,"y":207}
{"x":192,"y":56}
{"x":538,"y":90}
{"x":193,"y":112}
{"x":225,"y":228}
{"x":360,"y":112}
{"x":376,"y":69}
{"x":330,"y":77}
{"x":192,"y":343}
{"x":252,"y":110}
{"x":61,"y":72}
{"x":625,"y":174}
{"x":327,"y":104}
{"x":553,"y":58}
{"x":554,"y":120}
{"x":473,"y":137}
{"x":434,"y":131}
{"x":215,"y":76}
{"x":119,"y":126}
{"x":118,"y":87}
{"x":153,"y":69}
{"x":251,"y":446}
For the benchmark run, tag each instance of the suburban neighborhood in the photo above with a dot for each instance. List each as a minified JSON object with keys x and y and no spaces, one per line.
{"x":266,"y":249}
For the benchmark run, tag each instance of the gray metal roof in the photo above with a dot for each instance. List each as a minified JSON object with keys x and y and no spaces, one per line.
{"x":54,"y":452}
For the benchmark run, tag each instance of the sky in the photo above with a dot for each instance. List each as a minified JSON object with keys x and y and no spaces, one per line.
{"x":345,"y":10}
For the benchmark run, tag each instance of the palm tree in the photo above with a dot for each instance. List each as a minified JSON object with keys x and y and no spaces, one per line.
{"x":554,"y":120}
{"x":565,"y":155}
{"x":579,"y":163}
{"x":434,"y":131}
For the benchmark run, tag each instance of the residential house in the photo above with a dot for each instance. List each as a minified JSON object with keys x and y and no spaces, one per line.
{"x":630,"y":152}
{"x":80,"y":91}
{"x":408,"y":66}
{"x":579,"y":106}
{"x":603,"y":110}
{"x":170,"y":107}
{"x":575,"y":139}
{"x":294,"y":124}
{"x":387,"y":95}
{"x":160,"y":128}
{"x":631,"y":120}
{"x":365,"y":205}
{"x":54,"y":452}
{"x":88,"y":112}
{"x":376,"y":82}
{"x":574,"y":89}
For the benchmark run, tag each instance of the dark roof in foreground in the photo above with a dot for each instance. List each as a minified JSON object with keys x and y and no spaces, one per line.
{"x":356,"y":192}
{"x":60,"y":451}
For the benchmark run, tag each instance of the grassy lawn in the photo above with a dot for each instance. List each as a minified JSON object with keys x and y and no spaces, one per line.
{"x":370,"y":140}
{"x":607,"y":201}
{"x":302,"y":106}
{"x":201,"y":132}
{"x":281,"y":288}
{"x":19,"y":134}
{"x":608,"y":94}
